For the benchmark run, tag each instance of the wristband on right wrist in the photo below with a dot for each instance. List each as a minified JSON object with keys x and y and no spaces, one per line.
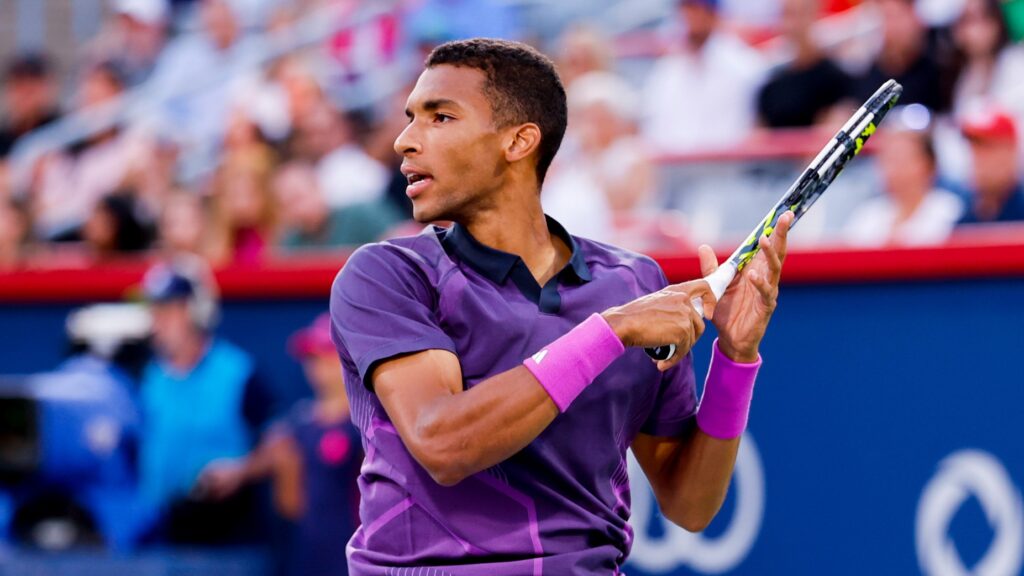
{"x":728,"y":390}
{"x":568,"y":365}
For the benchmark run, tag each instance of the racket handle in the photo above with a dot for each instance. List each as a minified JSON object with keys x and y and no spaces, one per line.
{"x":718,"y":281}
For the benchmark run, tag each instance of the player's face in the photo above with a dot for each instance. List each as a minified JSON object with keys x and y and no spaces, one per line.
{"x":452,"y":152}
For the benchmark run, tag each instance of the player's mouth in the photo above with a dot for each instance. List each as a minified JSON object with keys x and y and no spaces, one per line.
{"x":418,"y":181}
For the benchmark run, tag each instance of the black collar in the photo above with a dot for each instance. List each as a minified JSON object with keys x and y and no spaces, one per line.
{"x":497,"y":265}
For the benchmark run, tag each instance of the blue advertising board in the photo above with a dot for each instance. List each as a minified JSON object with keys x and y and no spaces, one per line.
{"x":882,"y":440}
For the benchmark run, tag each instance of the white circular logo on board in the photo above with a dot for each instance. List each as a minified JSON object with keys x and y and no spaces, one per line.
{"x":961,"y":475}
{"x":677,"y":547}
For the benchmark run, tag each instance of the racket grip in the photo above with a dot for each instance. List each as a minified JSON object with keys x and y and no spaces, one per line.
{"x":668,"y":351}
{"x":718,"y":280}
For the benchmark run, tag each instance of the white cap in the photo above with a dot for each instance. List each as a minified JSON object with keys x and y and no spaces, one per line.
{"x":150,"y":12}
{"x":607,"y":89}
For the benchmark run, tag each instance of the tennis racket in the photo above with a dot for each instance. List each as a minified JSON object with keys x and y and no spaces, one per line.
{"x":846,"y":144}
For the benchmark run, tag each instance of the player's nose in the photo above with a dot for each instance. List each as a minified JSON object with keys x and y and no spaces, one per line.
{"x":408,"y":142}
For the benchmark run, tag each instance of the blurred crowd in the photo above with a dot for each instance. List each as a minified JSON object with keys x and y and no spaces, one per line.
{"x":214,"y":133}
{"x":158,"y":431}
{"x":193,"y":132}
{"x":949,"y":155}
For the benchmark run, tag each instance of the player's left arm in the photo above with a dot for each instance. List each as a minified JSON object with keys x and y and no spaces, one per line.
{"x":690,"y":474}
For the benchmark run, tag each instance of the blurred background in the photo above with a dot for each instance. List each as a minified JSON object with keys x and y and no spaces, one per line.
{"x":180,"y":180}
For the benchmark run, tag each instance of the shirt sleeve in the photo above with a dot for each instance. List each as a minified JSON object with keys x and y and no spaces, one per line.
{"x":383,"y":304}
{"x":675,"y":404}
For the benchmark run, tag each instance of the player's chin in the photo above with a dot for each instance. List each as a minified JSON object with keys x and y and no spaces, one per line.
{"x":425,"y":211}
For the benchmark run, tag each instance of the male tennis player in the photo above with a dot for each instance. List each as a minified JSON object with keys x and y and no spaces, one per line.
{"x":495,"y":367}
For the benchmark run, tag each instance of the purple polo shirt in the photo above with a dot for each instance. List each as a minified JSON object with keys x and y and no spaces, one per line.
{"x":561,"y":505}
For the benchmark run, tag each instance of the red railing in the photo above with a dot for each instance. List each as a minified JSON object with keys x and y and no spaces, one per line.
{"x":987,"y":252}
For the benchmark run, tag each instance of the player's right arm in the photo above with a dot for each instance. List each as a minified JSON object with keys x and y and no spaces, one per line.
{"x":453,"y":432}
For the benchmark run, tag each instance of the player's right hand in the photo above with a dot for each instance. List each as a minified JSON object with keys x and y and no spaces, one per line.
{"x":662,"y":318}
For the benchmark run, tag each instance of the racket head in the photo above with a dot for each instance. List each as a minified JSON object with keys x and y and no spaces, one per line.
{"x":814,"y":180}
{"x":817,"y":177}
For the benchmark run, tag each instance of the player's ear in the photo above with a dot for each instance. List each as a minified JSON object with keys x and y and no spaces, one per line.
{"x":523,"y":140}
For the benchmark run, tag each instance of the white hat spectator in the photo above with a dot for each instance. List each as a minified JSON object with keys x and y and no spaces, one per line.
{"x":151,"y":12}
{"x":606,"y":89}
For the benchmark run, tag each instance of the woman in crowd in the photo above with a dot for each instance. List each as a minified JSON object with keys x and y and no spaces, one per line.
{"x":243,"y":215}
{"x":914,"y":209}
{"x":988,"y":68}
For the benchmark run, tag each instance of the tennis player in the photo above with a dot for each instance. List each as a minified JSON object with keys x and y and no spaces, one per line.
{"x":495,"y":367}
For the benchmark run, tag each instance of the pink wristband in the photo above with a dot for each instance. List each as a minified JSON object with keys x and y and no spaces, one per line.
{"x":728,"y":390}
{"x":568,"y":365}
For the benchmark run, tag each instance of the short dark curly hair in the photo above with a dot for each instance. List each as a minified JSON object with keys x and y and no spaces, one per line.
{"x":522,"y":86}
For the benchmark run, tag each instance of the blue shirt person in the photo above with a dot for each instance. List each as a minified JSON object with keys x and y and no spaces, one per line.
{"x":200,"y":401}
{"x":313,"y":456}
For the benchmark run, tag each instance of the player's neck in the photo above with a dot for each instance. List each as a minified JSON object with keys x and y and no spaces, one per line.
{"x":518,"y":226}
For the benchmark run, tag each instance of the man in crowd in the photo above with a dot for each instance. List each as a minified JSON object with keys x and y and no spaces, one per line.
{"x":29,"y":97}
{"x":997,"y":193}
{"x":810,"y":85}
{"x":200,"y":402}
{"x":703,"y":93}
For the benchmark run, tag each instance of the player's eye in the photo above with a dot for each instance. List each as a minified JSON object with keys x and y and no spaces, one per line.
{"x":442,"y":118}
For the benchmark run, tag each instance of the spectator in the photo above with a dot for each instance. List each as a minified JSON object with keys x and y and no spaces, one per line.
{"x":73,"y":180}
{"x":14,"y":230}
{"x":582,"y":49}
{"x":905,"y":56}
{"x":152,"y":177}
{"x":380,"y":145}
{"x":195,"y":80}
{"x":436,"y":21}
{"x":302,"y":90}
{"x":200,"y":402}
{"x":132,"y":38}
{"x":611,"y":173}
{"x":313,"y":456}
{"x":29,"y":97}
{"x":308,"y":222}
{"x":115,"y":228}
{"x":183,"y":225}
{"x":809,"y":87}
{"x":316,"y":131}
{"x":703,"y":94}
{"x":997,"y":194}
{"x":243,"y":135}
{"x":243,"y":209}
{"x":988,"y":69}
{"x":347,"y":174}
{"x":914,"y":210}
{"x":5,"y":181}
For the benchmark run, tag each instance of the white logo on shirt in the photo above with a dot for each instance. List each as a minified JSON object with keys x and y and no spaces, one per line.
{"x":540,"y":356}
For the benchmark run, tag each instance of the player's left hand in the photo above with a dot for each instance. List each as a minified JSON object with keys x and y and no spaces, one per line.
{"x":742,"y":314}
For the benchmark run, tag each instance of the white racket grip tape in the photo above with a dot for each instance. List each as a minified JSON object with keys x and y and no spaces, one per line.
{"x":718,"y":281}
